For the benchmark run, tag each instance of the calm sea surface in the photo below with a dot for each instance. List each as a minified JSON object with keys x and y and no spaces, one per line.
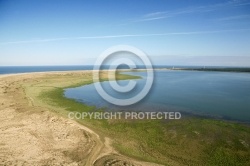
{"x":28,"y":69}
{"x":217,"y":94}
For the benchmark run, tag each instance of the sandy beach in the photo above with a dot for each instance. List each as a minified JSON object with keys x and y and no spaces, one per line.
{"x":32,"y":134}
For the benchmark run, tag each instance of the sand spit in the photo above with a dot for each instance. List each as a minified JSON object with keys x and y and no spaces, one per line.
{"x":34,"y":135}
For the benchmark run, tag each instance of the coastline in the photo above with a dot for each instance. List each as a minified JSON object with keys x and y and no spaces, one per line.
{"x":35,"y":106}
{"x":35,"y":135}
{"x":89,"y":68}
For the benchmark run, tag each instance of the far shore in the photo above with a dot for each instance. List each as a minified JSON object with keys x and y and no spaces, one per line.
{"x":208,"y":68}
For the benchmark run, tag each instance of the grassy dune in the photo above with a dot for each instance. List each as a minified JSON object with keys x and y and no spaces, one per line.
{"x":189,"y":141}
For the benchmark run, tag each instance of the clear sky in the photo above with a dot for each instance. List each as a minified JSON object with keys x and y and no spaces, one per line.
{"x":171,"y":32}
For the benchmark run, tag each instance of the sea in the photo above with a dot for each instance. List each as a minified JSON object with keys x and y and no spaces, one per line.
{"x":29,"y":69}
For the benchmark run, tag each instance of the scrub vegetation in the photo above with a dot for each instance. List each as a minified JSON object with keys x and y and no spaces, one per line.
{"x":188,"y":141}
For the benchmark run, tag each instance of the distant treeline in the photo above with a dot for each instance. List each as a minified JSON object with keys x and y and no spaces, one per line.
{"x":229,"y":69}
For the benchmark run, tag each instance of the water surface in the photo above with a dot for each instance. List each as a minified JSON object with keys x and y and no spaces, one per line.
{"x":216,"y":94}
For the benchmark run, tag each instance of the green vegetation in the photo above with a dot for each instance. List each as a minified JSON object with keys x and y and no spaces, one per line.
{"x":189,"y":141}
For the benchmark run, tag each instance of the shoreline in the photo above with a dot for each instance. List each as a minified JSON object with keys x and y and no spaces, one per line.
{"x":124,"y":70}
{"x":35,"y":101}
{"x":90,"y":71}
{"x":198,"y":68}
{"x":40,"y":131}
{"x":44,"y":72}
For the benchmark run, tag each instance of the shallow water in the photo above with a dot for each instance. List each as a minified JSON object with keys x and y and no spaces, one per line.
{"x":217,"y":94}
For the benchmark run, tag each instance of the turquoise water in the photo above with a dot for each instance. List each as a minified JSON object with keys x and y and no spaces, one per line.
{"x":217,"y":94}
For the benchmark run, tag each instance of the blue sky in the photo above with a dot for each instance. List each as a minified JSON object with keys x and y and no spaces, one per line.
{"x":171,"y":32}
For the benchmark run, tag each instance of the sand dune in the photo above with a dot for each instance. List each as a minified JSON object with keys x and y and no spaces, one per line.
{"x":34,"y":135}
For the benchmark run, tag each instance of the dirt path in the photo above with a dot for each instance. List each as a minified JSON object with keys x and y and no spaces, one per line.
{"x":33,"y":135}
